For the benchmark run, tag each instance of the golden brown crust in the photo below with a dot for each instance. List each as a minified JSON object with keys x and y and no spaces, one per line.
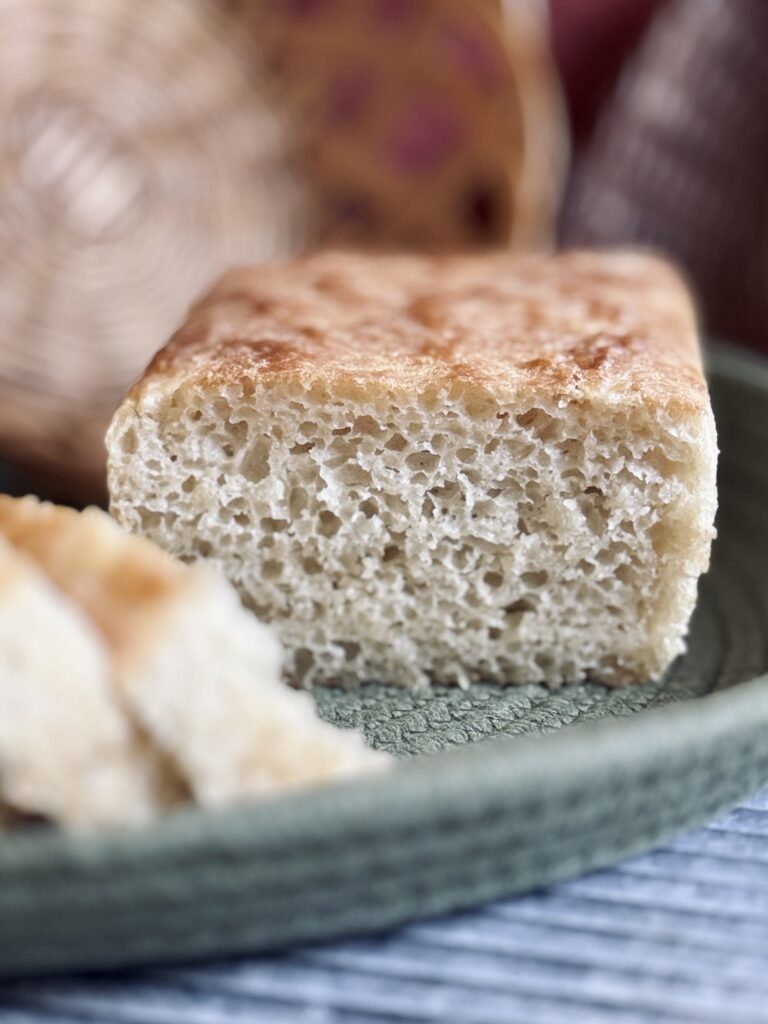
{"x":580,"y":325}
{"x":119,"y":580}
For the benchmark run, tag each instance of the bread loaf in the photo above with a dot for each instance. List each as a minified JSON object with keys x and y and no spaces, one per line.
{"x":437,"y":469}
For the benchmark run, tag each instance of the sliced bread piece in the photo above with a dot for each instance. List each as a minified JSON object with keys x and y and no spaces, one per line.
{"x":493,"y":467}
{"x":67,"y":750}
{"x":199,"y":673}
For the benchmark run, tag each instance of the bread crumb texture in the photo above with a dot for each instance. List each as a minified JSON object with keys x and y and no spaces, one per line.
{"x":417,"y":470}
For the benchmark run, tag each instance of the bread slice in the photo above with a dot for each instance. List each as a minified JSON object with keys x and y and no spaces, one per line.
{"x":197,"y":671}
{"x":450,"y":469}
{"x":67,"y":750}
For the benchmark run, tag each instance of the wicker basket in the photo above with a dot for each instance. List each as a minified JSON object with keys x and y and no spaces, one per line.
{"x":138,"y":160}
{"x":430,"y":124}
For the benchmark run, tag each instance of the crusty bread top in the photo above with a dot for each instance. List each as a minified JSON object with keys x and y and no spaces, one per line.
{"x":583,"y":325}
{"x":116,"y":578}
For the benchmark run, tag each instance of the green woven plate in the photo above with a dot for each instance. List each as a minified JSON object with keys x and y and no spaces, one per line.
{"x":470,"y":821}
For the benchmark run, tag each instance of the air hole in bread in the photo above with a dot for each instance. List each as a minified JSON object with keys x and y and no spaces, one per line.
{"x":396,"y":443}
{"x":149,"y":519}
{"x":237,"y":429}
{"x":351,"y":650}
{"x":534,"y":579}
{"x":303,"y":662}
{"x":329,"y":523}
{"x":129,"y":442}
{"x":255,"y":464}
{"x":367,"y":425}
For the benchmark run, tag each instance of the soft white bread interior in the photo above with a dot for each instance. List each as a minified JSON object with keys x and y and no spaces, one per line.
{"x":67,"y":750}
{"x":423,"y":469}
{"x":196,"y":671}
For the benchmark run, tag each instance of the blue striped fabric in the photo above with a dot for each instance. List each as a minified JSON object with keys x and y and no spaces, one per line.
{"x":678,"y":935}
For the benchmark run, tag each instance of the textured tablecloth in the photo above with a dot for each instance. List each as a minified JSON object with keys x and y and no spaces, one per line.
{"x":680,"y":934}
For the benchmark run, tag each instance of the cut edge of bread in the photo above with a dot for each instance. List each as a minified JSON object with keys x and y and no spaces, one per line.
{"x":67,"y":749}
{"x":196,"y":671}
{"x":249,"y":735}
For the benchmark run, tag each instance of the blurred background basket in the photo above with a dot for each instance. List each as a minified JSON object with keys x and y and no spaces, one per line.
{"x":679,"y":158}
{"x":428,"y":124}
{"x":148,"y":144}
{"x":139,"y":157}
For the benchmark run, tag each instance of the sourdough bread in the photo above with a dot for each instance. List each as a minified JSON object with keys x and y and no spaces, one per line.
{"x":67,"y":750}
{"x":437,"y":469}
